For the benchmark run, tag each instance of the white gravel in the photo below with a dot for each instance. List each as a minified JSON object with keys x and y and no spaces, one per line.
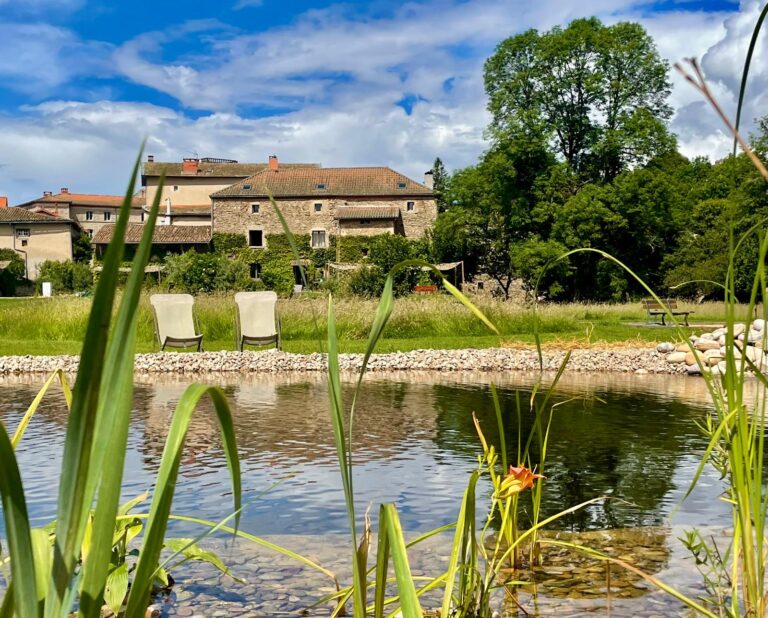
{"x":623,"y":360}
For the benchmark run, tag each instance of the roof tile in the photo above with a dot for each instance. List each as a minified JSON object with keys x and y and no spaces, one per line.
{"x":163,"y":235}
{"x":221,"y":170}
{"x":325,"y":182}
{"x":22,"y":215}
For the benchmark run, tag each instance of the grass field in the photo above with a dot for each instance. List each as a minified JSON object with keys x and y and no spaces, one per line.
{"x":55,"y":325}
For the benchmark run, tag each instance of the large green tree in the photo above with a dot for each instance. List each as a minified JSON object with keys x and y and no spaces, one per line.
{"x":597,"y":94}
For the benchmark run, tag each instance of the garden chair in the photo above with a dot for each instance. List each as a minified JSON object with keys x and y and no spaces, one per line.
{"x":175,"y":325}
{"x":256,"y":320}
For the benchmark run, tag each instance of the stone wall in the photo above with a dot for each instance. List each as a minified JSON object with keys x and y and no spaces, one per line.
{"x":236,"y":216}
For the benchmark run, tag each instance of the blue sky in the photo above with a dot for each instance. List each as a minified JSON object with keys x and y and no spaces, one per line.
{"x":350,"y":83}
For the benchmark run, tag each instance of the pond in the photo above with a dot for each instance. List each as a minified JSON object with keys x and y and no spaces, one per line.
{"x":632,"y":438}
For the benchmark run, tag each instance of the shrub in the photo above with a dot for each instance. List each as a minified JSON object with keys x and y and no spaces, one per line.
{"x":367,"y":282}
{"x":13,"y":274}
{"x":65,"y":277}
{"x":194,"y":272}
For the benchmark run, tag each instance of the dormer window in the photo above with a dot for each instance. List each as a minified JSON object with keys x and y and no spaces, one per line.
{"x":401,"y":185}
{"x":321,"y":185}
{"x":247,"y":187}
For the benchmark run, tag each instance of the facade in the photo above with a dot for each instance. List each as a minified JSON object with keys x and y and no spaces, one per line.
{"x":186,"y":194}
{"x":36,"y":236}
{"x":90,"y":211}
{"x":324,"y":202}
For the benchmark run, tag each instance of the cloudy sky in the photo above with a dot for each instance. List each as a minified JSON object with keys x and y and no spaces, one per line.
{"x":350,"y":83}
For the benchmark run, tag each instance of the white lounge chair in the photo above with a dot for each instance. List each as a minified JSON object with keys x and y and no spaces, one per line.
{"x":256,"y":321}
{"x":175,"y":322}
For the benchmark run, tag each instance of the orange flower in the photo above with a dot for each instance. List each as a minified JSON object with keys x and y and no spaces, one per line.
{"x":518,"y":479}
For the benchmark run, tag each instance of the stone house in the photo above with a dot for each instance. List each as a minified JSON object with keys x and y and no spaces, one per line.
{"x":36,"y":236}
{"x":323,"y":202}
{"x":185,"y":198}
{"x":90,"y":211}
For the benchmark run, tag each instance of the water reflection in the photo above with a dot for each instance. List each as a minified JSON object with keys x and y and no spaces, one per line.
{"x":414,"y":444}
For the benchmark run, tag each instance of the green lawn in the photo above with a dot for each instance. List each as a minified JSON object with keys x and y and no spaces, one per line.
{"x":56,"y":325}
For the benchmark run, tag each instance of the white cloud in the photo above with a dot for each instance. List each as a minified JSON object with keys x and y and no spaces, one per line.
{"x":243,"y":4}
{"x":38,"y":57}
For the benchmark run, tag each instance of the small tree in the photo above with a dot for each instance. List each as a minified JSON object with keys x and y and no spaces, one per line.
{"x":440,"y":184}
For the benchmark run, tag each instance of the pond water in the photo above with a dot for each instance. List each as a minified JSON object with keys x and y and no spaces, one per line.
{"x":628,"y":437}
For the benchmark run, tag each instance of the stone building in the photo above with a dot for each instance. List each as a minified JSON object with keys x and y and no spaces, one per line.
{"x":90,"y":211}
{"x":186,"y":194}
{"x":323,"y":202}
{"x":36,"y":236}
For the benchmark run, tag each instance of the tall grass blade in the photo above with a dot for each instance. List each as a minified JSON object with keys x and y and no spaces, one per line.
{"x":465,"y":531}
{"x":79,"y":477}
{"x":24,"y":422}
{"x":409,"y":599}
{"x":745,"y":75}
{"x":113,"y":420}
{"x":16,"y":518}
{"x":165,"y":487}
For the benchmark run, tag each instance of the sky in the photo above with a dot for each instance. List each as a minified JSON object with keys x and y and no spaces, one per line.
{"x":83,"y":82}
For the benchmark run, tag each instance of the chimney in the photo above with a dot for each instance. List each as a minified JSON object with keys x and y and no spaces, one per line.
{"x":47,"y":193}
{"x":150,"y":158}
{"x":429,"y":179}
{"x":273,"y":163}
{"x":189,"y":166}
{"x":3,"y":201}
{"x":65,"y":190}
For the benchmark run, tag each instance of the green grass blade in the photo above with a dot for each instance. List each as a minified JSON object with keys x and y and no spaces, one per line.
{"x":24,"y":422}
{"x":79,"y":477}
{"x":382,"y":566}
{"x":41,"y":546}
{"x":23,"y":573}
{"x":166,"y":485}
{"x":112,"y":423}
{"x":464,"y":527}
{"x":409,"y":599}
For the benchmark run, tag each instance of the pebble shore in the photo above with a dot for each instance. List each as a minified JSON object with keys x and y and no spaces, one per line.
{"x":622,"y":360}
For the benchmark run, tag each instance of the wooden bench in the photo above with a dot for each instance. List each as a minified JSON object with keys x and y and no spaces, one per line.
{"x":654,"y":309}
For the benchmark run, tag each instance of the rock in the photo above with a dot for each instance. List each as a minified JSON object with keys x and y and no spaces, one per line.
{"x":758,"y":325}
{"x":693,"y":370}
{"x":682,"y":347}
{"x":754,"y":336}
{"x":719,"y":332}
{"x":641,"y":371}
{"x":707,"y":337}
{"x":721,"y":367}
{"x":676,"y":357}
{"x":721,"y":339}
{"x":690,"y":358}
{"x":739,"y":328}
{"x":707,"y":344}
{"x":665,"y":348}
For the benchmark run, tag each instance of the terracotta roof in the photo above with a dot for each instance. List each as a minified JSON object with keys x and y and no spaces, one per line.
{"x":326,"y":181}
{"x":84,"y":199}
{"x":164,"y":234}
{"x":22,"y":215}
{"x":213,"y":170}
{"x":367,"y":212}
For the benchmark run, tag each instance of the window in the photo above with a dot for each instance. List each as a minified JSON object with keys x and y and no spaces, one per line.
{"x":90,"y":233}
{"x":89,"y":215}
{"x":401,"y":185}
{"x":255,"y":209}
{"x":24,"y":243}
{"x":321,"y":185}
{"x":255,"y":271}
{"x":410,"y":206}
{"x":247,"y":187}
{"x":22,"y":232}
{"x":255,"y":238}
{"x":364,"y":221}
{"x":318,"y":239}
{"x":107,"y":216}
{"x":175,"y":187}
{"x":318,"y":207}
{"x":142,"y":216}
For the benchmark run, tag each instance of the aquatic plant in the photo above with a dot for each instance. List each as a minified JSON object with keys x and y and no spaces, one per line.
{"x":52,"y":572}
